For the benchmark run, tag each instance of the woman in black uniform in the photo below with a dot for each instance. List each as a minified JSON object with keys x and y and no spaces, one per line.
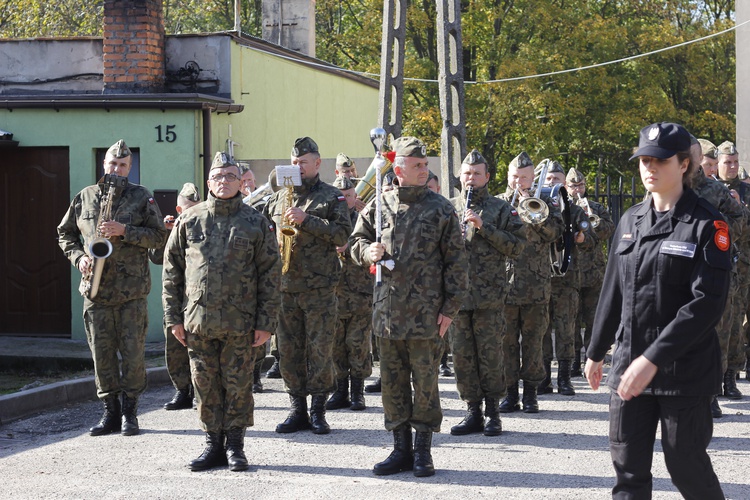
{"x":664,"y":292}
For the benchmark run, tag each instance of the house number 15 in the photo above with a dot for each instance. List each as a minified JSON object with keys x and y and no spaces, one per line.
{"x":168,"y":134}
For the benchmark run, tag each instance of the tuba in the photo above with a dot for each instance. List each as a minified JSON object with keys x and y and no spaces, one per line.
{"x":366,"y":188}
{"x":534,"y":210}
{"x":100,"y":247}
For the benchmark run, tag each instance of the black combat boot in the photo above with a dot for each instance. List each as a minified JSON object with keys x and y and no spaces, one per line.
{"x":340,"y":397}
{"x":575,"y":368}
{"x":298,"y":419}
{"x":182,"y":400}
{"x":473,"y":421}
{"x":213,"y":455}
{"x":358,"y":394}
{"x":493,"y":426}
{"x":545,"y":387}
{"x":730,"y":385}
{"x":564,"y":386}
{"x":510,"y":403}
{"x":274,"y":371}
{"x":445,"y":370}
{"x":401,"y":458}
{"x":715,"y":408}
{"x":375,"y":386}
{"x":423,"y":466}
{"x":129,"y":419}
{"x":257,"y":384}
{"x":530,"y":404}
{"x":236,"y":449}
{"x":318,"y":415}
{"x":110,"y":421}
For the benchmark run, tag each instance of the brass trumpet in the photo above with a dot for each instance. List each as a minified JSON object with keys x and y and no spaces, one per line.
{"x":594,"y":219}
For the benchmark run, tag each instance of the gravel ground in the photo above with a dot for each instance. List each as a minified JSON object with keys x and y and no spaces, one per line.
{"x":560,"y":453}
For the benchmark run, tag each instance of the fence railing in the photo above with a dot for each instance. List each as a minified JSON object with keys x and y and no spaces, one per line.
{"x":615,"y":197}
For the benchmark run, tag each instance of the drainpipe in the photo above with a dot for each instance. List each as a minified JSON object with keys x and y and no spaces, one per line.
{"x":207,"y":151}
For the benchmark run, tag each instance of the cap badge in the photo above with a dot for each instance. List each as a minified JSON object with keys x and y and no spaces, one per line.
{"x":653,"y":133}
{"x":424,"y":150}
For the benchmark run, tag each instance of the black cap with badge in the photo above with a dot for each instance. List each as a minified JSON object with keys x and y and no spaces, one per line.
{"x":662,"y":140}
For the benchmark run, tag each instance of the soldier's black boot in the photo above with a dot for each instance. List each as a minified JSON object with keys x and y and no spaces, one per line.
{"x":423,"y":466}
{"x":274,"y":371}
{"x":318,"y":415}
{"x":257,"y":384}
{"x":445,"y":370}
{"x":129,"y":419}
{"x":110,"y":421}
{"x":715,"y":408}
{"x":298,"y":419}
{"x":575,"y":368}
{"x":358,"y":394}
{"x":493,"y":426}
{"x":510,"y":403}
{"x":213,"y":455}
{"x":530,"y":404}
{"x":236,"y":449}
{"x":340,"y":397}
{"x":730,"y":385}
{"x":182,"y":400}
{"x":564,"y":386}
{"x":375,"y":386}
{"x":473,"y":421}
{"x":401,"y":458}
{"x":545,"y":387}
{"x":747,"y":369}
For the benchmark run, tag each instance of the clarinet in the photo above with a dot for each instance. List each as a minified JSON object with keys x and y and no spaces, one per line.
{"x":469,"y":192}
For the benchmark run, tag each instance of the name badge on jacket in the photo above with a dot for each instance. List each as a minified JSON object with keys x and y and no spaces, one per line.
{"x":679,"y":248}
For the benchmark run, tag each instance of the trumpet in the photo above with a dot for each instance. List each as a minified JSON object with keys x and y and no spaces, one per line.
{"x":594,"y":219}
{"x":534,"y":210}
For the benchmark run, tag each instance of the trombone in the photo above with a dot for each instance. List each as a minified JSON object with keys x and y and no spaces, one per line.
{"x":534,"y":210}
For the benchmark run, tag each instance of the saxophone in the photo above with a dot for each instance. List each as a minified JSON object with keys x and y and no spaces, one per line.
{"x":100,"y":247}
{"x":288,"y":232}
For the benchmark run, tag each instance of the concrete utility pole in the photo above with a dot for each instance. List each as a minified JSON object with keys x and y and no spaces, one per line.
{"x":451,"y":82}
{"x":392,"y":67}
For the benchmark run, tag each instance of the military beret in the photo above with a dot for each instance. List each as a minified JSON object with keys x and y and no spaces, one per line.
{"x":304,"y":145}
{"x":574,"y":176}
{"x":409,"y":146}
{"x":221,"y":160}
{"x":190,"y":192}
{"x":521,"y":161}
{"x":474,"y":158}
{"x":727,"y":148}
{"x":343,"y":183}
{"x":554,"y":167}
{"x":662,"y":140}
{"x":343,"y":161}
{"x":119,"y":150}
{"x":708,"y":148}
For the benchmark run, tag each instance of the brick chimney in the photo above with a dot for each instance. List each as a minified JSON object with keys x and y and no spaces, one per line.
{"x":133,"y":46}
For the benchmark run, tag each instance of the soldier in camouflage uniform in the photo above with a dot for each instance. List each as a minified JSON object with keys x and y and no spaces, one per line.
{"x":424,"y":274}
{"x":591,"y":264}
{"x":221,"y":299}
{"x":116,"y":320}
{"x":564,"y":299}
{"x":709,"y":159}
{"x":308,"y":299}
{"x":345,"y":167}
{"x":493,"y":232}
{"x":527,"y":305}
{"x":175,"y":354}
{"x":352,"y":357}
{"x":728,"y":173}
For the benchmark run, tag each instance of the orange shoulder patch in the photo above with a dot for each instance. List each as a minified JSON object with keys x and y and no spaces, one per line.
{"x":721,"y":238}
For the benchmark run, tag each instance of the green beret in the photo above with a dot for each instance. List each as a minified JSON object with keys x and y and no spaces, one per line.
{"x":727,"y":148}
{"x":521,"y":161}
{"x":474,"y":158}
{"x":119,"y":150}
{"x":409,"y":146}
{"x":304,"y":145}
{"x":708,"y":148}
{"x":190,"y":192}
{"x":343,"y":161}
{"x":221,"y":160}
{"x":574,"y":176}
{"x":343,"y":183}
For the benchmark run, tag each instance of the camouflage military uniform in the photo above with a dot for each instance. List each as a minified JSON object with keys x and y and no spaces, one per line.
{"x":351,"y":345}
{"x":421,"y":234}
{"x":478,"y":330}
{"x":117,"y":319}
{"x":527,"y":305}
{"x":222,"y":263}
{"x":308,"y":300}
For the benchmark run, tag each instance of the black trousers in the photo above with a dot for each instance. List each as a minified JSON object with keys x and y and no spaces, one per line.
{"x":686,"y":429}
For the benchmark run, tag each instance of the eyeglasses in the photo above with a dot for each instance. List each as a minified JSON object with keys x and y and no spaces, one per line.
{"x":224,"y":177}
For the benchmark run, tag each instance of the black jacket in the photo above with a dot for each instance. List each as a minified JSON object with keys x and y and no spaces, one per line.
{"x":664,"y":293}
